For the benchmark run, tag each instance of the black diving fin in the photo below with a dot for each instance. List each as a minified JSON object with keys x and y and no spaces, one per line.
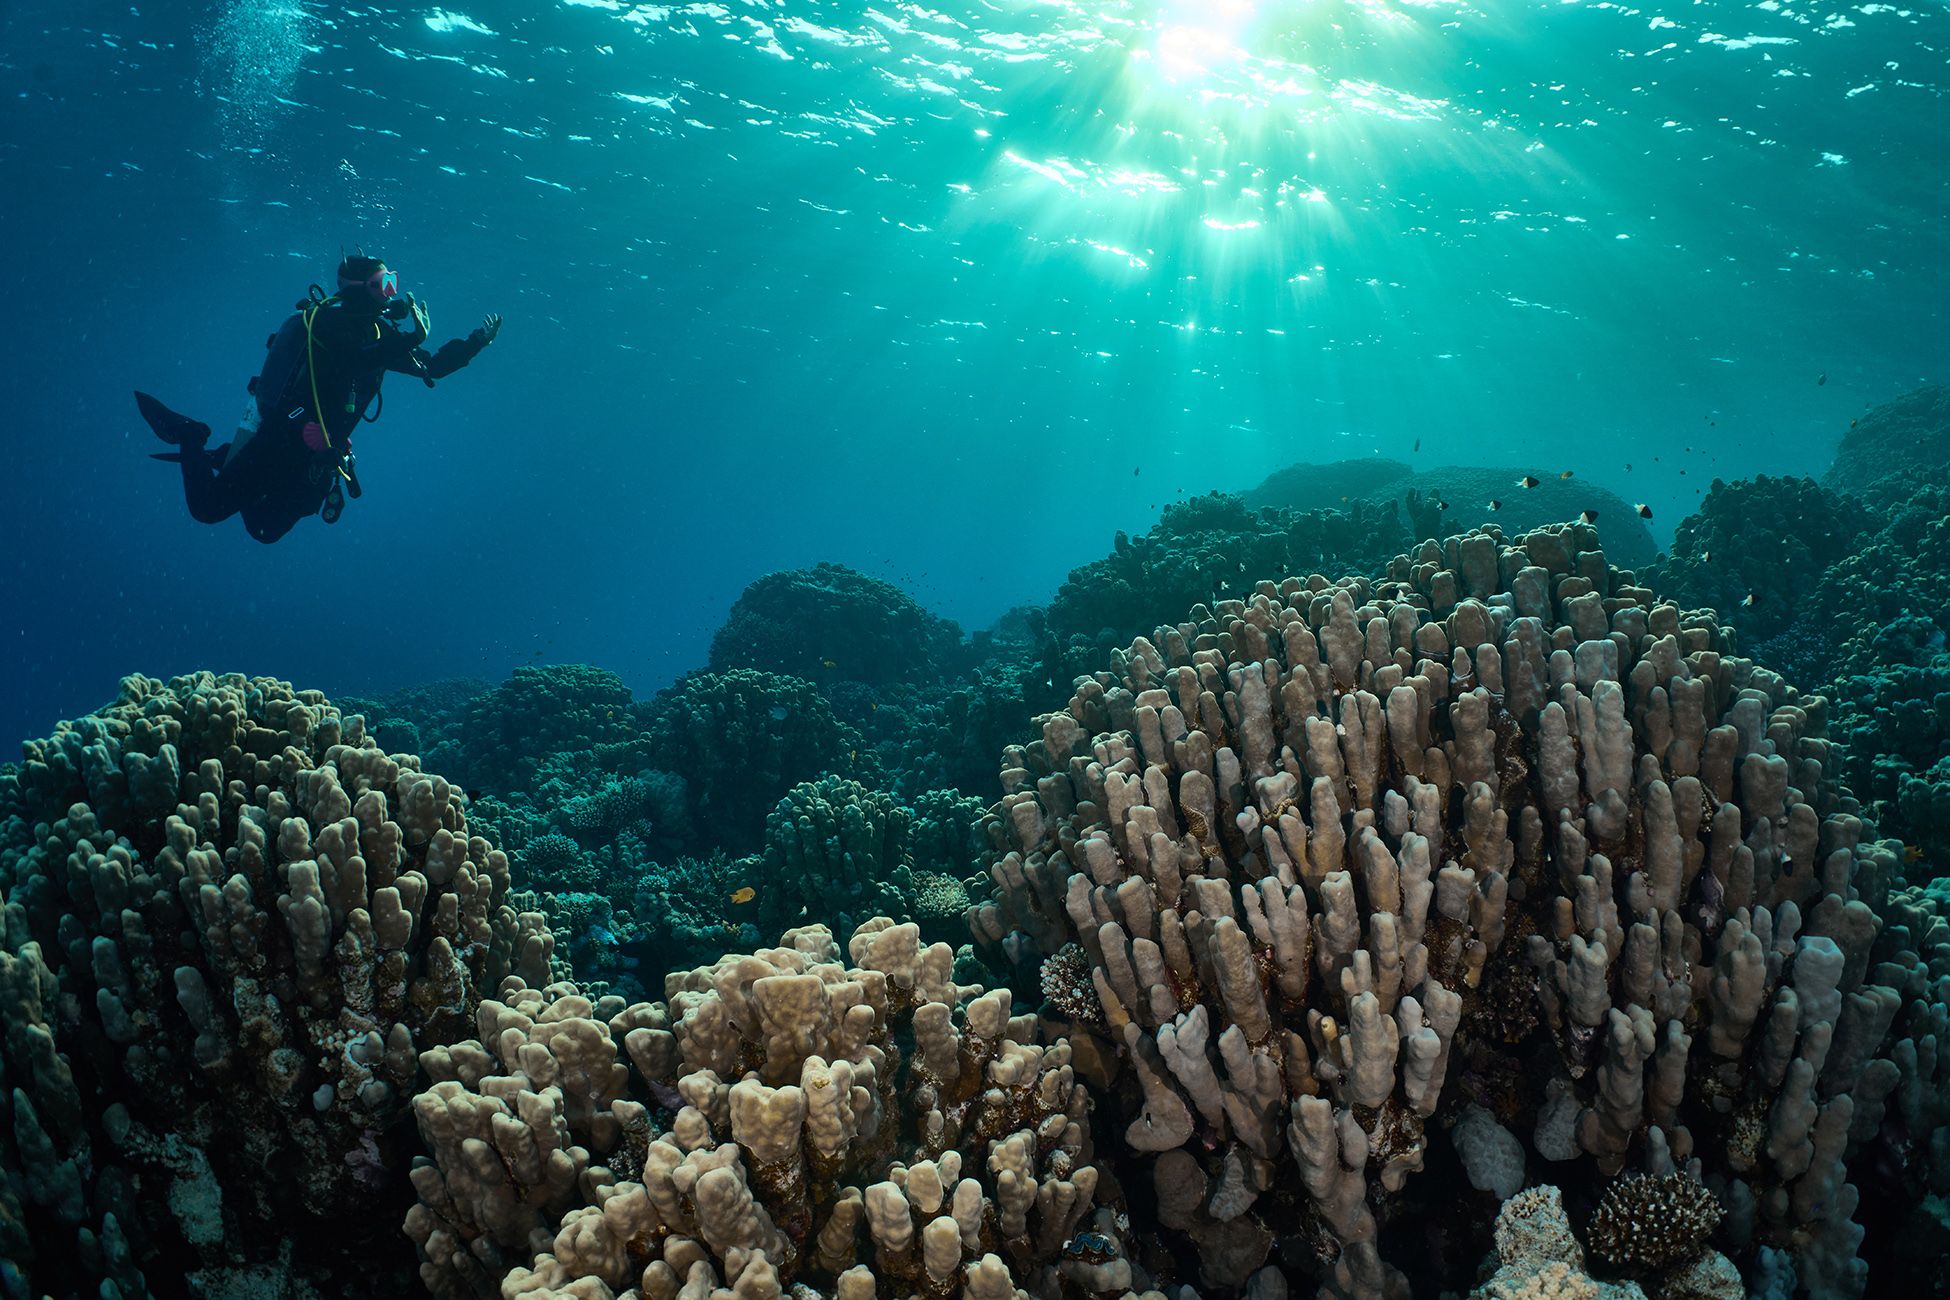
{"x":176,"y":430}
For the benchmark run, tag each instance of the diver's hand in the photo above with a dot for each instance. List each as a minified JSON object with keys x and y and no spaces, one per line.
{"x":490,"y":326}
{"x":398,"y":308}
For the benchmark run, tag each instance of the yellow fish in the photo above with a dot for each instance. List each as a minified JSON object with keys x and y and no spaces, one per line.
{"x":743,"y":894}
{"x":827,"y":663}
{"x":1912,"y":853}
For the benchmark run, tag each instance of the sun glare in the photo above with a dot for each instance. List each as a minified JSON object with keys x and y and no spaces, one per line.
{"x":1196,"y":37}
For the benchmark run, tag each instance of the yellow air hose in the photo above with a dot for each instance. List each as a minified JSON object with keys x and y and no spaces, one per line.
{"x":420,"y":314}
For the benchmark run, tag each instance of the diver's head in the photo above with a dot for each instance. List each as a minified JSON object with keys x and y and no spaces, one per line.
{"x":366,"y":281}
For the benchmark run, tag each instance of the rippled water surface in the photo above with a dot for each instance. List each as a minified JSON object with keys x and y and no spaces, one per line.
{"x":946,"y":292}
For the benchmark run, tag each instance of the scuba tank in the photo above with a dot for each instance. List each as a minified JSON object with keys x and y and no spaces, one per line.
{"x":274,"y":390}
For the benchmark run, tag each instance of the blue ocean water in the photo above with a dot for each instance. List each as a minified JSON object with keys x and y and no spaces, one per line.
{"x":948,"y":293}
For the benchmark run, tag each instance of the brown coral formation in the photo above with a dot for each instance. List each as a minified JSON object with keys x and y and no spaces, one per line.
{"x":231,"y":924}
{"x":781,"y":1121}
{"x":1300,"y":835}
{"x":1648,"y":1224}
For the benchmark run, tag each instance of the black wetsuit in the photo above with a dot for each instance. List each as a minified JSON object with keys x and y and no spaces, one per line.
{"x":271,"y":477}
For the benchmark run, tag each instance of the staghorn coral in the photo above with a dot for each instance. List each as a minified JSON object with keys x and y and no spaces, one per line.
{"x":796,"y":623}
{"x":1297,"y":835}
{"x":781,"y":1121}
{"x":230,"y":924}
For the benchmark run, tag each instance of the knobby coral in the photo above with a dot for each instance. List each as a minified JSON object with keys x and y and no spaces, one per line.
{"x":781,"y":1122}
{"x":1302,"y":837}
{"x":230,"y":925}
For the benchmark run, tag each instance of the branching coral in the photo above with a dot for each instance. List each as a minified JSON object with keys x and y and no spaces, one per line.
{"x":1299,"y":835}
{"x":230,"y":924}
{"x":782,"y":1121}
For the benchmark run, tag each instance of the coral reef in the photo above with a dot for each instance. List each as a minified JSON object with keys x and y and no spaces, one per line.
{"x":835,"y":853}
{"x":780,"y":1122}
{"x":540,"y":711}
{"x":1886,"y":453}
{"x":741,"y":739}
{"x":423,"y":720}
{"x":1464,"y":493}
{"x":1853,"y":601}
{"x":1199,"y":548}
{"x":1307,"y":840}
{"x":830,"y":623}
{"x":230,"y":925}
{"x":1652,"y":1223}
{"x":1747,"y":553}
{"x":1539,"y":1258}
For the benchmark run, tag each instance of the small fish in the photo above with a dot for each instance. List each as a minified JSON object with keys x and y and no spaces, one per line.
{"x":1344,"y":499}
{"x":1851,"y":424}
{"x":1912,"y":853}
{"x":852,"y":755}
{"x":1564,"y":475}
{"x":1824,"y":379}
{"x":1645,"y":511}
{"x":827,"y":663}
{"x":1706,"y":557}
{"x":872,"y":707}
{"x":1440,"y":504}
{"x":1417,"y":447}
{"x":1242,"y":566}
{"x":1628,"y":467}
{"x":1527,"y":481}
{"x":1588,"y":516}
{"x":743,"y":894}
{"x":1495,"y":504}
{"x":471,"y":795}
{"x":778,"y":713}
{"x":1747,"y":601}
{"x":1134,"y":471}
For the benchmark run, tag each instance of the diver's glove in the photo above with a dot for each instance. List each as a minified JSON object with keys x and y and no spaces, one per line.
{"x":490,"y":326}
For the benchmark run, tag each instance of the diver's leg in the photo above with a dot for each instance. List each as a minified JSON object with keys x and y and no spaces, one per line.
{"x":214,"y":494}
{"x":267,"y":519}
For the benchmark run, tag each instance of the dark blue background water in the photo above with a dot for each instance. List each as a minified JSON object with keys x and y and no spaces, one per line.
{"x":915,"y":289}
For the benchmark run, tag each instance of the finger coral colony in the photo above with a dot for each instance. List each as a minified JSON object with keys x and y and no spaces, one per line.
{"x":1479,"y":922}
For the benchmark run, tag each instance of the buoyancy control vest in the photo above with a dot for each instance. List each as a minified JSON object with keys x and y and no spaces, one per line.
{"x":285,"y":390}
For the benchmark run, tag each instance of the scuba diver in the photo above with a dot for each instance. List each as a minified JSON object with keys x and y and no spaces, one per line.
{"x":292,"y":454}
